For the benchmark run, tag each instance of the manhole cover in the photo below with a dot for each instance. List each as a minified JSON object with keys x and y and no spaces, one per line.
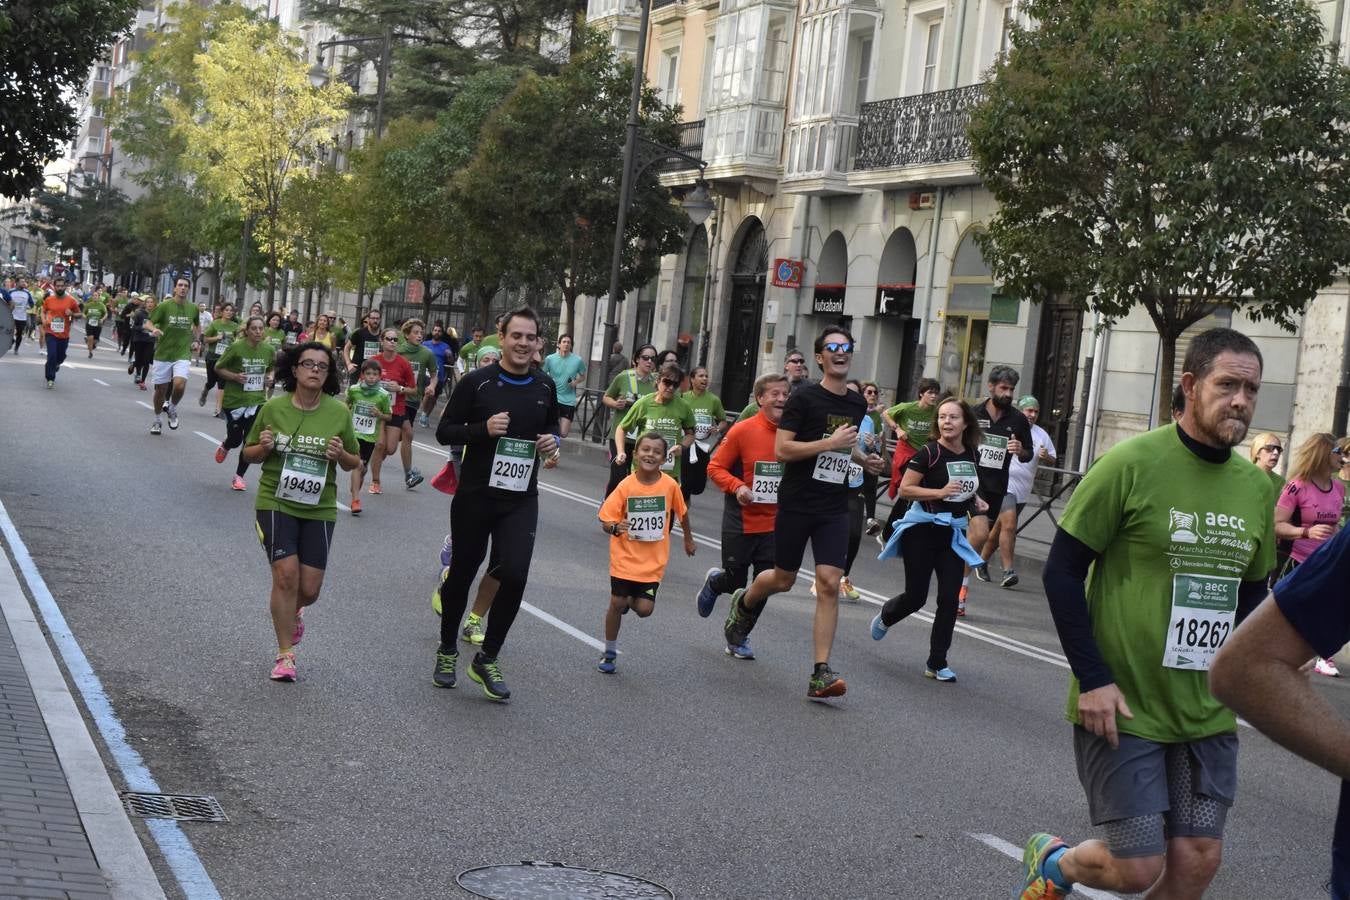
{"x":183,"y":807}
{"x":529,"y":880}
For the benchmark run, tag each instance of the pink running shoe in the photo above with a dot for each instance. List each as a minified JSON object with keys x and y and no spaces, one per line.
{"x":299,"y":631}
{"x":221,"y":453}
{"x":284,"y":670}
{"x":239,"y":484}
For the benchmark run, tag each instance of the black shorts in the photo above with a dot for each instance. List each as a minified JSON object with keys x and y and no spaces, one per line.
{"x":827,"y":533}
{"x":93,"y":331}
{"x":367,"y":448}
{"x":641,"y":590}
{"x":567,"y":412}
{"x":396,"y":420}
{"x":283,"y":535}
{"x":995,"y":501}
{"x":746,"y":551}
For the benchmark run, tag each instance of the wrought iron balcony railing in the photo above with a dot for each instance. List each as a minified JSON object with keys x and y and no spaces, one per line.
{"x":691,"y":142}
{"x":918,"y":130}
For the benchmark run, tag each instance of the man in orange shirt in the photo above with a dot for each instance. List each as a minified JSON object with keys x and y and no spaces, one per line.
{"x":747,"y":470}
{"x":58,"y":308}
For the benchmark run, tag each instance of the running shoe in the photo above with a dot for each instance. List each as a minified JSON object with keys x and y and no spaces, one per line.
{"x":50,"y":384}
{"x":164,"y":407}
{"x":173,"y":420}
{"x":1326,"y":667}
{"x":607,"y":664}
{"x":356,"y":506}
{"x":239,"y":484}
{"x":444,"y":675}
{"x":741,"y":650}
{"x":1009,"y":579}
{"x":961,"y":601}
{"x":141,"y":385}
{"x":488,"y":672}
{"x":707,"y":595}
{"x":374,"y":488}
{"x":981,"y":572}
{"x":825,"y":683}
{"x":848,"y":590}
{"x":155,"y":427}
{"x":872,"y":526}
{"x":879,"y":628}
{"x":221,"y":453}
{"x":942,"y":674}
{"x":1035,"y":886}
{"x":473,"y":629}
{"x":299,"y":633}
{"x":131,"y":368}
{"x":414,"y":479}
{"x":423,"y":421}
{"x":201,"y":401}
{"x":736,"y":627}
{"x":447,"y":550}
{"x":284,"y":670}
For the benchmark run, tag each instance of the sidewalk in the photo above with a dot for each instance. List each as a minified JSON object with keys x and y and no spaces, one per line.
{"x":63,"y":831}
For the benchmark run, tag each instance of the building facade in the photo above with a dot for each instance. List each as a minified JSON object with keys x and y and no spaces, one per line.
{"x":834,"y":139}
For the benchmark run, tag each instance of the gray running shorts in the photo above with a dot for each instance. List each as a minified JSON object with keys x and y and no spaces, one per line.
{"x":1144,"y":793}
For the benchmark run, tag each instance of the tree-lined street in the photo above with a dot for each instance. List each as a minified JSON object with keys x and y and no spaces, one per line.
{"x":710,"y":775}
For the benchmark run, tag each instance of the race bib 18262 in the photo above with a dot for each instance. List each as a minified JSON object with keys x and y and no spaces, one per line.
{"x":1204,"y":612}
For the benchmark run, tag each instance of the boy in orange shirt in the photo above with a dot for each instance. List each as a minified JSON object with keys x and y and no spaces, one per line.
{"x":637,"y":516}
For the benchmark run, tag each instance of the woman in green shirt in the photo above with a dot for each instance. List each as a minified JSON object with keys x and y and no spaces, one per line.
{"x":297,"y":437}
{"x":710,"y":423}
{"x":273,"y":333}
{"x":244,"y":370}
{"x":217,"y":337}
{"x":623,"y":392}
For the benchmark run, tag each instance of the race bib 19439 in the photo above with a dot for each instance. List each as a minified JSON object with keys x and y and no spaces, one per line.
{"x":302,"y":478}
{"x":764,"y":487}
{"x":1204,"y":612}
{"x":512,"y":464}
{"x":646,"y":518}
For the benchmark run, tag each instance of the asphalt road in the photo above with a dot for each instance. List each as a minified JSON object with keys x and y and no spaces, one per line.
{"x":712,"y":776}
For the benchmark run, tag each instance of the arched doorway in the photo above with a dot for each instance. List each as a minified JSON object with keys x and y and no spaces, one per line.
{"x":745,"y":314}
{"x":689,"y":321}
{"x":827,"y":300}
{"x":965,"y":329}
{"x":896,"y":275}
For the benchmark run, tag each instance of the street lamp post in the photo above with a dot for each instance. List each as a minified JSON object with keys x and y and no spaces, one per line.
{"x":696,"y":204}
{"x":382,"y":81}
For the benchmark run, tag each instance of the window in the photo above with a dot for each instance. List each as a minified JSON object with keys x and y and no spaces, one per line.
{"x":670,"y":76}
{"x":859,"y":66}
{"x":932,"y":44}
{"x":100,"y":73}
{"x":709,"y":51}
{"x":961,"y":365}
{"x":773,"y":86}
{"x":1005,"y":30}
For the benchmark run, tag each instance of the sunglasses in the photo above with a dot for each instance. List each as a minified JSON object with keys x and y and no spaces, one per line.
{"x":647,"y":358}
{"x":1339,"y":451}
{"x":840,"y":347}
{"x":796,"y":361}
{"x":390,"y":337}
{"x":670,"y":383}
{"x":1276,"y":448}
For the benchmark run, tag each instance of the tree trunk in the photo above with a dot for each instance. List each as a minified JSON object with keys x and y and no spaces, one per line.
{"x":1166,"y":364}
{"x":241,"y":280}
{"x":569,"y":312}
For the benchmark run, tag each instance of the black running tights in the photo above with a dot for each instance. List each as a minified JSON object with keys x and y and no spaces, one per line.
{"x":927,"y":549}
{"x":476,"y":519}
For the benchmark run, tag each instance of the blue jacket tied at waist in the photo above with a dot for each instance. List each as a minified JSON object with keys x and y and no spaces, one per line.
{"x":917,"y":515}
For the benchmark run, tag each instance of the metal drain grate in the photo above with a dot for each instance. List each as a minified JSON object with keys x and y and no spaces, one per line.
{"x":529,"y":880}
{"x":183,"y":807}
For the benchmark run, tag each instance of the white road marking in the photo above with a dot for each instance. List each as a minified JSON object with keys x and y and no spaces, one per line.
{"x":100,"y":381}
{"x":1012,"y":850}
{"x":146,"y":405}
{"x":561,"y":625}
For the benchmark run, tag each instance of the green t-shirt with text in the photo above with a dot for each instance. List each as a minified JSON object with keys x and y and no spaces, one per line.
{"x":914,"y":420}
{"x":251,"y":362}
{"x":708,"y":413}
{"x":227,"y":330}
{"x":1171,"y":530}
{"x":95,"y":311}
{"x":670,"y":420}
{"x":420,"y":358}
{"x":364,"y":401}
{"x":176,"y":320}
{"x":274,"y":338}
{"x":301,"y":440}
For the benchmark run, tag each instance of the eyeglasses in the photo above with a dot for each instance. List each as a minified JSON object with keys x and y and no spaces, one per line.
{"x":840,"y":347}
{"x":1276,"y":448}
{"x":313,"y":366}
{"x":647,"y":358}
{"x":796,"y":361}
{"x":669,"y":382}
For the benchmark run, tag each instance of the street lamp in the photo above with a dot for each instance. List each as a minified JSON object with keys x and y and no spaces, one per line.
{"x":697,"y":203}
{"x":382,"y":76}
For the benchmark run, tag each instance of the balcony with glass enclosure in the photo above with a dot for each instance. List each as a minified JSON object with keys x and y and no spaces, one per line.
{"x":619,"y":18}
{"x":743,"y":132}
{"x":834,"y":67}
{"x":914,"y":141}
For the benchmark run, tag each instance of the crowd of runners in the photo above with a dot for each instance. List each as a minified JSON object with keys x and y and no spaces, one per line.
{"x":1167,"y":545}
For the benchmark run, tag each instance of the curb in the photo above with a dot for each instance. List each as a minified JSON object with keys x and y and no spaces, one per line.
{"x":116,"y":846}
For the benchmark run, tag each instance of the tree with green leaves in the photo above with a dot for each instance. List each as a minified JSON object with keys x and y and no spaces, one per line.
{"x":90,"y":216}
{"x":257,"y":121}
{"x":48,"y":46}
{"x":539,"y":200}
{"x":1178,"y":156}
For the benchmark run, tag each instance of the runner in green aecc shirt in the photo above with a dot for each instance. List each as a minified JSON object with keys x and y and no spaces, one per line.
{"x":298,"y":436}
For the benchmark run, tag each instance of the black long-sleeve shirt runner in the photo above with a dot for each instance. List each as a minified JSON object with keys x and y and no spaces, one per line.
{"x":532,"y":403}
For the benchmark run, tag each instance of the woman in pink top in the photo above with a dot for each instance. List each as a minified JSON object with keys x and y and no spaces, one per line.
{"x":1309,"y":507}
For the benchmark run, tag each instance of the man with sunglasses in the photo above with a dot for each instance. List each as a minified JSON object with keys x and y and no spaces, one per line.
{"x":817,"y":442}
{"x":794,"y":367}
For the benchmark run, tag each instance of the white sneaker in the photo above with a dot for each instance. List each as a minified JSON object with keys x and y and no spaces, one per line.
{"x":1326,"y":667}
